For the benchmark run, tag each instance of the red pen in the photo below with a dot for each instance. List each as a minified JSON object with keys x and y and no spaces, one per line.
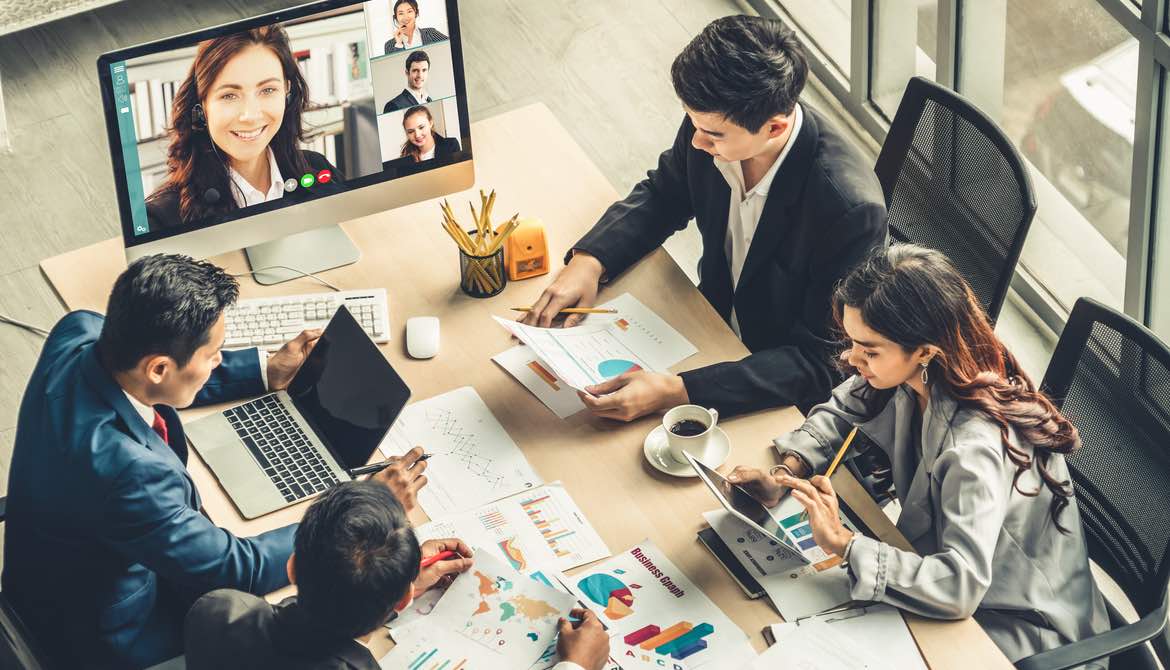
{"x":441,"y":556}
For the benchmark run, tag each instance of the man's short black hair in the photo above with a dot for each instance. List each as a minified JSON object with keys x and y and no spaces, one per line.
{"x":356,"y":556}
{"x":746,"y":68}
{"x":163,"y":304}
{"x":416,"y":56}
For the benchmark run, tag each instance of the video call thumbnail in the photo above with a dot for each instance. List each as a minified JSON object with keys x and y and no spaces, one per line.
{"x":285,"y":113}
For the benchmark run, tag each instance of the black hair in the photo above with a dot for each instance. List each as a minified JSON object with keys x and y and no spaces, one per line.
{"x":412,"y":3}
{"x":356,"y":556}
{"x":416,"y":56}
{"x":163,"y":304}
{"x":746,"y":68}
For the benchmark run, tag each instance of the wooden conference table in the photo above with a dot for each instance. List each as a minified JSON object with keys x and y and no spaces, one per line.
{"x":538,"y":170}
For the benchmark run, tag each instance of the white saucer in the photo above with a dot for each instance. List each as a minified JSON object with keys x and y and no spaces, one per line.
{"x":655,"y":449}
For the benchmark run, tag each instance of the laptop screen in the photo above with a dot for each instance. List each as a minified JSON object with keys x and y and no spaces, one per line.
{"x":348,"y":391}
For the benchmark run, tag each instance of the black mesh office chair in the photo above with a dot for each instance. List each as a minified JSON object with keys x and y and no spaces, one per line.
{"x":16,"y":647}
{"x":954,"y":182}
{"x":1111,"y":377}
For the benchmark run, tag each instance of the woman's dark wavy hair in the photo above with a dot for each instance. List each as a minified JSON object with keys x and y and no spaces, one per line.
{"x":914,"y":296}
{"x":194,"y":166}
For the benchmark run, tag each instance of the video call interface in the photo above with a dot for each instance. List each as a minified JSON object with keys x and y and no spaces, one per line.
{"x":277,"y":115}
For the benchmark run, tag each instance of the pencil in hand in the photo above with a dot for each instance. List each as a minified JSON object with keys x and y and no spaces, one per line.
{"x":574,"y":310}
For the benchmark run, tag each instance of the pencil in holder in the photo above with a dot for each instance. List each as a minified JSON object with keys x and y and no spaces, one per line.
{"x":482,"y":276}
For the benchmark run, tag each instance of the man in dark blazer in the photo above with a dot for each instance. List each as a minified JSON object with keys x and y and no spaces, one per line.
{"x":786,"y":207}
{"x":106,"y":544}
{"x":357,"y":563}
{"x":418,"y":66}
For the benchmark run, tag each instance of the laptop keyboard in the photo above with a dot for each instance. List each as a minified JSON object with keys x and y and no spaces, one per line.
{"x":281,"y":448}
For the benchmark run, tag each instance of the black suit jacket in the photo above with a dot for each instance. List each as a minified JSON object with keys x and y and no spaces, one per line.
{"x":232,"y":629}
{"x":162,"y":207}
{"x":824,"y":213}
{"x":404,"y":100}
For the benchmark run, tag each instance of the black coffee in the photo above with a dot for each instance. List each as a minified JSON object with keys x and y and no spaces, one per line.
{"x":688,"y":428}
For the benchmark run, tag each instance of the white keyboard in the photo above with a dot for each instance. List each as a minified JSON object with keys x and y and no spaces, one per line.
{"x":270,"y":322}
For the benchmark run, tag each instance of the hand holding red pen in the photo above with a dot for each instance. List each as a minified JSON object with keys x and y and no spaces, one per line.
{"x":441,"y":561}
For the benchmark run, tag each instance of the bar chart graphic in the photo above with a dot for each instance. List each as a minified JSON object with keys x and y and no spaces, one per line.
{"x":492,"y":518}
{"x":545,"y":514}
{"x":432,"y":659}
{"x":678,"y":641}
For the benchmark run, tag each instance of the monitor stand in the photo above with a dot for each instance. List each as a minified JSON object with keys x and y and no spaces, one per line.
{"x":312,"y":251}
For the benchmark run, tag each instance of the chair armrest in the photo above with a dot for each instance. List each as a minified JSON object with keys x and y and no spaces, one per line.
{"x":1099,"y":646}
{"x":3,"y":507}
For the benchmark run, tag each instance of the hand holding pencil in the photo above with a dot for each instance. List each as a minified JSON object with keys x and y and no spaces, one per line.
{"x":820,"y":504}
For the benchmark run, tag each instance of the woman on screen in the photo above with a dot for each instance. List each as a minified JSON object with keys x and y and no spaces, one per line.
{"x":407,"y":33}
{"x":422,"y":142}
{"x":236,"y":133}
{"x":977,"y":457}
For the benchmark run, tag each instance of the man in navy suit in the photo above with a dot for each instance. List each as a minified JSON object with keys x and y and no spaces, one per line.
{"x":106,"y":545}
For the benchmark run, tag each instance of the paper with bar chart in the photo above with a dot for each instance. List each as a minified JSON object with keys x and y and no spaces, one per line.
{"x":656,"y":615}
{"x":796,"y":589}
{"x":603,"y":347}
{"x":540,"y":528}
{"x":474,"y":459}
{"x":439,"y":650}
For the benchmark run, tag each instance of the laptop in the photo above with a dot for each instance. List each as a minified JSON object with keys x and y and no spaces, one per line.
{"x":290,"y":445}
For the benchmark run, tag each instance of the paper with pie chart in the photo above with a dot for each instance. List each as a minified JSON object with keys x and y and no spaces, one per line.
{"x":501,"y":611}
{"x":657,"y":616}
{"x":605,"y":346}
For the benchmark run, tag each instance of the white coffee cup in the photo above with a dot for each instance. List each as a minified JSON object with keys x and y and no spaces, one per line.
{"x":696,"y":444}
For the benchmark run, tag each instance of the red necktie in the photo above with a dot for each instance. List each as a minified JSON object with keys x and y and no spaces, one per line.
{"x":160,"y":426}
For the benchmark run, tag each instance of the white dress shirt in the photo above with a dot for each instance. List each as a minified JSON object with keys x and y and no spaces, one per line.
{"x":419,"y":96}
{"x":567,"y":665}
{"x":429,"y":154}
{"x":245,"y":194}
{"x":415,"y":40}
{"x":743,"y":214}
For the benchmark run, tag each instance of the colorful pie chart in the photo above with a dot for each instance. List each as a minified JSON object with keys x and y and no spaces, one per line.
{"x":615,"y":366}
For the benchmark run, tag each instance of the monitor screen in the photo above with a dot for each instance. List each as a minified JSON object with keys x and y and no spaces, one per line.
{"x":272,"y":112}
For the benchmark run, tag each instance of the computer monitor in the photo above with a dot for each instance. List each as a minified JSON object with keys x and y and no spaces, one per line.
{"x":266,"y":133}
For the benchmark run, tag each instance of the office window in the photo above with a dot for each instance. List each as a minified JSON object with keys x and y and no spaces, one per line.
{"x":827,"y":23}
{"x":904,"y":42}
{"x":1068,"y":104}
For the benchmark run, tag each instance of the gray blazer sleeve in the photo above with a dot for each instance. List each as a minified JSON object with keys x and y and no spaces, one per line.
{"x":974,"y":485}
{"x":824,"y":429}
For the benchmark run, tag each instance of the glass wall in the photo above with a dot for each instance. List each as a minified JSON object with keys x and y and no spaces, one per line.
{"x":1075,"y":84}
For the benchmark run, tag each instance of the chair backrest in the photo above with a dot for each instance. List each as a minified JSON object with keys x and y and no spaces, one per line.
{"x":1111,"y":377}
{"x":17,"y":649}
{"x":954,"y":182}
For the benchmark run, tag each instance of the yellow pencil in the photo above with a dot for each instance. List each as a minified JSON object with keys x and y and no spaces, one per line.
{"x":836,"y":461}
{"x":574,"y":310}
{"x":841,"y":453}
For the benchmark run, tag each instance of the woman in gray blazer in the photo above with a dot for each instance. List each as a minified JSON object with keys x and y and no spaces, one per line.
{"x":977,"y":455}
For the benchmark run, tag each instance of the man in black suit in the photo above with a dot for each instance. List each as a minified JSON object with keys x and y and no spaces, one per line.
{"x":356,"y":563}
{"x":418,"y":66}
{"x":786,"y":207}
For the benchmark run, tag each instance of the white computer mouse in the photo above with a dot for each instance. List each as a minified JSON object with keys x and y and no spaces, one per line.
{"x":422,"y":336}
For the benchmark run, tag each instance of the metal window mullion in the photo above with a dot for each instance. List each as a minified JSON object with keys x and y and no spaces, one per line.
{"x":1141,"y":202}
{"x":860,"y":55}
{"x":946,"y":50}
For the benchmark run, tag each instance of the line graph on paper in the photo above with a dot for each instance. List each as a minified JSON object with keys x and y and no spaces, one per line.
{"x":473,"y":462}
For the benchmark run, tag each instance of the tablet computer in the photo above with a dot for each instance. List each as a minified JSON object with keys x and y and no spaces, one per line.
{"x":752,"y":512}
